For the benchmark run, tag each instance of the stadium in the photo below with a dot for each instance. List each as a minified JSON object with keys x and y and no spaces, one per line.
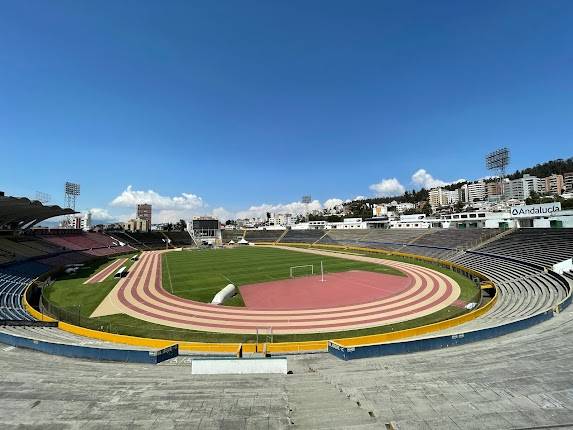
{"x":322,"y":304}
{"x":286,"y":215}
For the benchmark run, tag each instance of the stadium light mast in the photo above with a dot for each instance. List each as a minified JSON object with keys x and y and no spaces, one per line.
{"x":498,"y":161}
{"x":71,"y":192}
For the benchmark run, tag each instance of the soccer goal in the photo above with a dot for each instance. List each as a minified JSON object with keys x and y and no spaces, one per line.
{"x":305,"y":270}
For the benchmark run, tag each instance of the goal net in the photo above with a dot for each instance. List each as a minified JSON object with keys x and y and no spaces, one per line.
{"x":305,"y":270}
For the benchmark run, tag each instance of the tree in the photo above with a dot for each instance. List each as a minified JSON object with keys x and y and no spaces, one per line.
{"x":566,"y":204}
{"x":334,"y":218}
{"x":181,"y":225}
{"x":548,"y":168}
{"x":534,"y":198}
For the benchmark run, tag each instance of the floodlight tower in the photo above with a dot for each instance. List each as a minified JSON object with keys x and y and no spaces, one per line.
{"x":72,"y":191}
{"x":498,"y":161}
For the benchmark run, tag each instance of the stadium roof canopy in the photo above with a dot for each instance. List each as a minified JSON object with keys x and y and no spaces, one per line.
{"x":21,"y":212}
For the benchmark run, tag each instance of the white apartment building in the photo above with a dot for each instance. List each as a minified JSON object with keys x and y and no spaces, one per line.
{"x":412,"y":221}
{"x":381,"y":210}
{"x":521,"y":188}
{"x":402,"y":207}
{"x":476,"y":191}
{"x":280,"y":219}
{"x":348,"y":223}
{"x":283,"y":219}
{"x":83,"y":222}
{"x":441,"y":197}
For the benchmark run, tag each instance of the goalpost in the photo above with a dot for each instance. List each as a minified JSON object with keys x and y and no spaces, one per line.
{"x":304,"y":270}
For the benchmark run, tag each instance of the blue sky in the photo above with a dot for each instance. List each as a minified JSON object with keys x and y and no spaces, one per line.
{"x":221,"y":106}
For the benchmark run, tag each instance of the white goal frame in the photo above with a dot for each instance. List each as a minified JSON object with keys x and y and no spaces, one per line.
{"x":293,"y":269}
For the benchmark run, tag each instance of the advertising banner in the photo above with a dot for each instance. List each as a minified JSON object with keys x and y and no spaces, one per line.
{"x":532,"y":211}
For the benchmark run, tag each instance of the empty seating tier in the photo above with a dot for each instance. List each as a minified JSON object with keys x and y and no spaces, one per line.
{"x":234,"y":235}
{"x":179,"y":238}
{"x":303,"y":236}
{"x":541,"y":246}
{"x":263,"y":235}
{"x":524,"y":288}
{"x":150,"y":240}
{"x":456,"y":238}
{"x":11,"y":290}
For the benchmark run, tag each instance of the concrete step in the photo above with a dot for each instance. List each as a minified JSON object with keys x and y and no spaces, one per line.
{"x":315,"y":403}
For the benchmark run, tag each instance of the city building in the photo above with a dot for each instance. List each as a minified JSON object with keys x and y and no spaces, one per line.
{"x":402,"y":207}
{"x":379,"y":210}
{"x":137,"y":224}
{"x":144,"y":212}
{"x":568,"y":181}
{"x":348,"y":223}
{"x":493,"y":190}
{"x":469,"y":193}
{"x":413,"y":221}
{"x":284,"y":219}
{"x":477,"y":219}
{"x":553,"y":184}
{"x":310,"y":225}
{"x":441,"y":197}
{"x":83,"y":221}
{"x":522,"y":187}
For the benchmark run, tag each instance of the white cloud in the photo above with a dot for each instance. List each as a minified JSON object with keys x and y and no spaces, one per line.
{"x":360,"y":198}
{"x":332,"y":203}
{"x":130,"y":197}
{"x":388,"y":188}
{"x":164,"y":208}
{"x":294,"y":208}
{"x":99,"y":214}
{"x":423,"y":179}
{"x":221,"y":214}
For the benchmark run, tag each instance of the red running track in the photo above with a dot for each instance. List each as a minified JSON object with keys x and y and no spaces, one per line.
{"x":309,"y":292}
{"x":106,"y":271}
{"x":142,"y":296}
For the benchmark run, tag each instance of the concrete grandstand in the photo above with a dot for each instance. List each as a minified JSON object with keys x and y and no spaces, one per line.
{"x":434,"y":387}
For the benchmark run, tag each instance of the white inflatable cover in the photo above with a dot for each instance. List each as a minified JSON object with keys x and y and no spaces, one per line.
{"x":226,"y":293}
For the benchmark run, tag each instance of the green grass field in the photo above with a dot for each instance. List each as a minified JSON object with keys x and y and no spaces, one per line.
{"x":69,"y":291}
{"x":199,"y":275}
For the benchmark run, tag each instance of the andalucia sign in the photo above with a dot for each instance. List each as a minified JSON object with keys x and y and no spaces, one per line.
{"x":531,"y":211}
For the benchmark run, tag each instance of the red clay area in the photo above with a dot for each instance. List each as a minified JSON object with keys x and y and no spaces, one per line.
{"x":338,"y":289}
